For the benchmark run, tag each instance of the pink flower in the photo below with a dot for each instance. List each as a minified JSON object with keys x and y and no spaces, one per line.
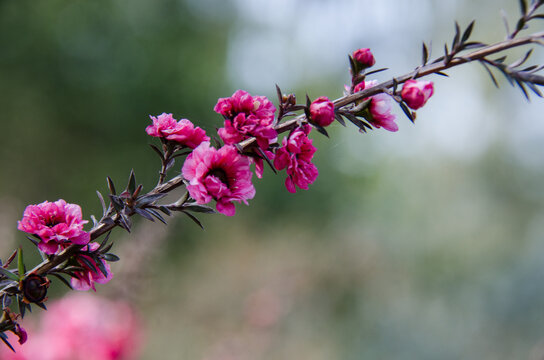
{"x":247,"y":116}
{"x":296,"y":154}
{"x":322,"y":111}
{"x":380,"y":110}
{"x":182,"y":132}
{"x":82,"y":327}
{"x":222,"y":175}
{"x":416,"y":93}
{"x":259,"y":163}
{"x":57,"y":225}
{"x":364,"y":57}
{"x":359,"y":87}
{"x":84,"y":280}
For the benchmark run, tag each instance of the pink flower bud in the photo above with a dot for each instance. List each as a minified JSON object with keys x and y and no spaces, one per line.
{"x":416,"y":93}
{"x":322,"y":111}
{"x":364,"y":57}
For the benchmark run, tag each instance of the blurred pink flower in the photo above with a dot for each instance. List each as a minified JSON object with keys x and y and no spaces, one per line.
{"x":57,"y":224}
{"x":296,"y":154}
{"x":82,"y":327}
{"x":247,"y":116}
{"x":322,"y":111}
{"x":380,"y":110}
{"x":182,"y":132}
{"x":364,"y":57}
{"x":222,"y":175}
{"x":84,"y":280}
{"x":416,"y":93}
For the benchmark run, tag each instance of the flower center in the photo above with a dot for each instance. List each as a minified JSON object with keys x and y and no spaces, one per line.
{"x":220,"y":174}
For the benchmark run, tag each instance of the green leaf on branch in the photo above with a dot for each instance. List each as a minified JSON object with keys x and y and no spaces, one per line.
{"x":9,"y":274}
{"x":20,"y":263}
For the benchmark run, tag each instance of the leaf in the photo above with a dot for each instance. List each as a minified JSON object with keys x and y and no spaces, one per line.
{"x":34,"y":241}
{"x":376,"y":71}
{"x":280,"y":96}
{"x":505,"y":21}
{"x":157,"y":150}
{"x":424,"y":54}
{"x":104,"y":242}
{"x":90,"y":264}
{"x":102,"y":268}
{"x":198,"y":208}
{"x":523,"y":7}
{"x":144,"y":213}
{"x":20,"y":263}
{"x":6,"y":301}
{"x":110,"y":185}
{"x":490,"y":74}
{"x":42,"y":305}
{"x":534,"y":89}
{"x":455,"y":40}
{"x":4,"y":338}
{"x":521,"y":60}
{"x":62,"y":279}
{"x":102,"y":202}
{"x":149,"y":199}
{"x":192,"y":217}
{"x":165,"y":210}
{"x":467,"y":32}
{"x":338,"y":118}
{"x":9,"y":274}
{"x":320,"y":129}
{"x":131,"y":187}
{"x":442,"y":73}
{"x":407,"y":111}
{"x":522,"y":87}
{"x":125,"y":222}
{"x":111,"y":257}
{"x":157,"y":215}
{"x":268,"y":161}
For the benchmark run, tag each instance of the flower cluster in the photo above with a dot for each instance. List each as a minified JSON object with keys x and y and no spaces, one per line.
{"x":296,"y":156}
{"x":247,"y":116}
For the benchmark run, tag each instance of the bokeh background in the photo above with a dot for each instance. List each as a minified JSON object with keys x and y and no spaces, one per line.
{"x":422,"y":244}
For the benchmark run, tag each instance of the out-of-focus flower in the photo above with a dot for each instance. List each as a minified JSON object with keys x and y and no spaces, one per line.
{"x":82,"y":327}
{"x":295,"y":155}
{"x":247,"y":116}
{"x":364,"y":57}
{"x":416,"y":93}
{"x":222,"y":175}
{"x":182,"y":132}
{"x":322,"y":111}
{"x":57,"y":224}
{"x":84,"y":280}
{"x":380,"y":110}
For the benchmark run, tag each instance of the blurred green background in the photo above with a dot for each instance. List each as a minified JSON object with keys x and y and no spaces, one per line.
{"x":422,"y":244}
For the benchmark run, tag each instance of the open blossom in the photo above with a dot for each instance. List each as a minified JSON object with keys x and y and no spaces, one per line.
{"x":322,"y":111}
{"x":182,"y":132}
{"x":81,"y":327}
{"x":57,"y":224}
{"x":296,"y":155}
{"x":380,"y":110}
{"x":364,"y":57}
{"x":85,"y":279}
{"x":222,"y":175}
{"x":247,"y":116}
{"x":416,"y":93}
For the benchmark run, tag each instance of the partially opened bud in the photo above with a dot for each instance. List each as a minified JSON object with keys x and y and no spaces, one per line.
{"x":364,"y":57}
{"x":322,"y":111}
{"x":416,"y":93}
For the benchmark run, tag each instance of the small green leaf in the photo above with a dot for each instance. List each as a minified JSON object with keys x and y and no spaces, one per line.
{"x":62,"y":279}
{"x":111,"y":257}
{"x":110,"y":185}
{"x":467,"y":32}
{"x":192,"y":217}
{"x":9,"y":274}
{"x":20,"y":263}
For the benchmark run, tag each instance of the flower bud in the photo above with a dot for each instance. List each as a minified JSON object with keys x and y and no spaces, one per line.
{"x":364,"y":57}
{"x":322,"y":111}
{"x":34,"y":288}
{"x":416,"y":93}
